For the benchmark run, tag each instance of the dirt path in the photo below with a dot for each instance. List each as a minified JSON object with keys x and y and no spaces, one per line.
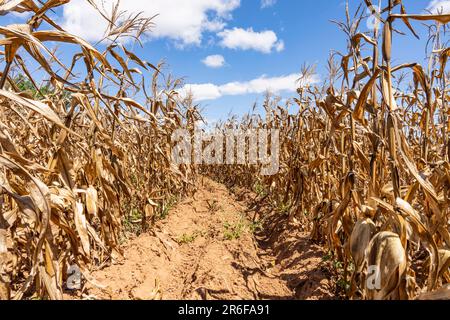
{"x":206,"y":249}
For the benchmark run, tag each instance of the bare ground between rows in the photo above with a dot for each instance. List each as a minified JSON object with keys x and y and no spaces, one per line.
{"x":206,"y":249}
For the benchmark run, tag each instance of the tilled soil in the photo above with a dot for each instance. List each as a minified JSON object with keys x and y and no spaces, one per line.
{"x":206,"y":249}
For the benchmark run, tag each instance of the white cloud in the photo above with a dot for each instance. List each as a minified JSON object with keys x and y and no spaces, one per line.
{"x":247,"y":39}
{"x":179,"y":20}
{"x":267,"y":3}
{"x":436,"y":6}
{"x":279,"y":46}
{"x":21,"y":15}
{"x":209,"y":91}
{"x":214,"y":61}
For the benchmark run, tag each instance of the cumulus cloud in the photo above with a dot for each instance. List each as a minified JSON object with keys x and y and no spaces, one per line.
{"x":214,"y":61}
{"x":21,"y":15}
{"x":201,"y":92}
{"x":179,"y":20}
{"x":247,"y":39}
{"x":267,"y":3}
{"x":209,"y":91}
{"x":436,"y":6}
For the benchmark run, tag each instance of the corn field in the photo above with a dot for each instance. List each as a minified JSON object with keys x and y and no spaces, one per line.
{"x":364,"y":165}
{"x":85,"y":156}
{"x":79,"y":158}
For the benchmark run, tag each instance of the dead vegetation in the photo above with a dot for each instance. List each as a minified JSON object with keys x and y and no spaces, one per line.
{"x":364,"y":162}
{"x":82,"y":160}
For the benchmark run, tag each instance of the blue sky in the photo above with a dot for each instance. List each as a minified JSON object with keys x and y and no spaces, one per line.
{"x":262,"y":43}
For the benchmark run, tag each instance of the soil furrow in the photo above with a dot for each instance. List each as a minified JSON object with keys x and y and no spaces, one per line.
{"x":206,"y":249}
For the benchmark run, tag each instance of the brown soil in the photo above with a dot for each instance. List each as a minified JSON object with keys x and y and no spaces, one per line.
{"x":206,"y":249}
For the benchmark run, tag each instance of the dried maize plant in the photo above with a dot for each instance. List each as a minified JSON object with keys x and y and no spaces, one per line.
{"x":364,"y":163}
{"x":80,"y":157}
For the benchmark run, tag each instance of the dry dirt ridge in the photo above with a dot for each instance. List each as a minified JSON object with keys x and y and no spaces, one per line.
{"x":205,"y":250}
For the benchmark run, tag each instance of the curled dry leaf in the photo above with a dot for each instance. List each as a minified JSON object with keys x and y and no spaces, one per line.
{"x":362,"y":234}
{"x":386,"y":254}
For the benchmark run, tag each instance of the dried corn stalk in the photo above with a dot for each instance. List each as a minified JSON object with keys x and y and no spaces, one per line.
{"x":82,"y":157}
{"x":364,"y":165}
